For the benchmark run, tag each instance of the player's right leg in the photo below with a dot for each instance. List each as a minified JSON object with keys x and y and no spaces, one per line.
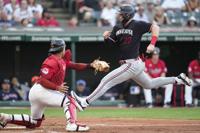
{"x":148,"y":98}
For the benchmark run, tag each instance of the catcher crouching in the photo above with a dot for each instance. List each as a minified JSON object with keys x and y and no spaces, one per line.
{"x":50,"y":90}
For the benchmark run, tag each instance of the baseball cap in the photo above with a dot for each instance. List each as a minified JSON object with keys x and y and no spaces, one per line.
{"x":81,"y":82}
{"x":6,"y":81}
{"x":156,"y":50}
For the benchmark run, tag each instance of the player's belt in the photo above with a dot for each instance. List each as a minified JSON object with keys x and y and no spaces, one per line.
{"x":128,"y":60}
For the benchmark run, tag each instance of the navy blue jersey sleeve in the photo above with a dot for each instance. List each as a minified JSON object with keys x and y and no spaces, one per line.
{"x":112,"y":38}
{"x":143,"y":27}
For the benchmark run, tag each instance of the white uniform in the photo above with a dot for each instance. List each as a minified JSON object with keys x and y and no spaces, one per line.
{"x":40,"y":98}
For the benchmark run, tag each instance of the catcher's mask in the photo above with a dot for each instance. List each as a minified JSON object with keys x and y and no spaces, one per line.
{"x":56,"y":46}
{"x":127,"y":12}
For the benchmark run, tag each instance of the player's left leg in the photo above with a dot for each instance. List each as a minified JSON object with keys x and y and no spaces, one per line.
{"x":188,"y":95}
{"x":145,"y":81}
{"x":168,"y":95}
{"x":33,"y":121}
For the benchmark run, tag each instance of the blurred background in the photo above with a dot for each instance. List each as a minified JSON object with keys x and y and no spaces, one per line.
{"x":27,"y":26}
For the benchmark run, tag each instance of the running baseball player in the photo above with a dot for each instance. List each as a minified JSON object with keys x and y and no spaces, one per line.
{"x":50,"y":91}
{"x":127,"y":37}
{"x":155,"y":67}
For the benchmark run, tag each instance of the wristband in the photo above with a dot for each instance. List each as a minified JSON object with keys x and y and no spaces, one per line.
{"x":154,"y":40}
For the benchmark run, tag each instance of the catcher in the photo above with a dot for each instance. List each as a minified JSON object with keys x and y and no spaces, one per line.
{"x":50,"y":90}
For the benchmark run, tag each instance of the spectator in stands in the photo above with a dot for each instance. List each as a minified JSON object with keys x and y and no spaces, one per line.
{"x":47,"y":20}
{"x":140,"y":14}
{"x":4,"y":22}
{"x":10,"y":8}
{"x":35,"y":8}
{"x":155,"y":67}
{"x":92,"y":10}
{"x":160,"y":17}
{"x":7,"y":93}
{"x":192,"y":22}
{"x":150,"y":10}
{"x":73,"y":22}
{"x":21,"y":89}
{"x":173,"y":4}
{"x":194,"y":74}
{"x":81,"y":88}
{"x":57,"y":3}
{"x":108,"y":15}
{"x":191,"y":5}
{"x":23,"y":14}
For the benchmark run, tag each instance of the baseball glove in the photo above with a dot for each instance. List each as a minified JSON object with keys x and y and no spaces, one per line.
{"x":100,"y":66}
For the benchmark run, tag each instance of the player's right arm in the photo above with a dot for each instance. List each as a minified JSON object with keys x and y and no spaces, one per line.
{"x":110,"y":36}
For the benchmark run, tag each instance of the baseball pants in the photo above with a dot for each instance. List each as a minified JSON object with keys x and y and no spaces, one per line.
{"x":132,"y":69}
{"x":40,"y":98}
{"x":188,"y":91}
{"x":168,"y":94}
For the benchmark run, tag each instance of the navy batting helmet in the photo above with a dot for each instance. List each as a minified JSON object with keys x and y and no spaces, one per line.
{"x":127,"y":11}
{"x":56,"y":45}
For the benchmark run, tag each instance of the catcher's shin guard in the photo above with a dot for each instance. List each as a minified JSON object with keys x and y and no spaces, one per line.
{"x":25,"y":120}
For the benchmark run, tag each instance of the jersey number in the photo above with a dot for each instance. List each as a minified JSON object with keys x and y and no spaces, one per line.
{"x":127,"y":40}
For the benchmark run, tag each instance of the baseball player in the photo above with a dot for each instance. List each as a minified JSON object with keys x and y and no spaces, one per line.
{"x":50,"y":91}
{"x":127,"y":37}
{"x":155,"y":68}
{"x":194,"y":74}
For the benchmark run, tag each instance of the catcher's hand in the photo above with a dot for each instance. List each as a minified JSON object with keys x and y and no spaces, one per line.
{"x":100,"y":66}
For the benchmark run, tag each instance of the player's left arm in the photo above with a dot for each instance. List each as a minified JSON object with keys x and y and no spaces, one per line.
{"x":78,"y":66}
{"x":155,"y":30}
{"x":72,"y":65}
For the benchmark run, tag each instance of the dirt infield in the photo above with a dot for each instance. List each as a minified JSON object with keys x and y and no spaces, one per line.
{"x":116,"y":125}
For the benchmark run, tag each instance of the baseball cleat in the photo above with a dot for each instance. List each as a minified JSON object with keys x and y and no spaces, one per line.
{"x":3,"y":120}
{"x":167,"y":105}
{"x":72,"y":127}
{"x":183,"y":79}
{"x":80,"y":103}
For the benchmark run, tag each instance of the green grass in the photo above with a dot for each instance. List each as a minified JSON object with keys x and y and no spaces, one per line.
{"x":155,"y":113}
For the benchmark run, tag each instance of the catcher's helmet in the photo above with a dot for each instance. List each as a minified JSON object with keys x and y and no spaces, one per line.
{"x":56,"y":45}
{"x":127,"y":11}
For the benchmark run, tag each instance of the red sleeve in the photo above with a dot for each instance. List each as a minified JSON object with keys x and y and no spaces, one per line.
{"x":47,"y":84}
{"x":78,"y":66}
{"x":68,"y":55}
{"x":72,"y":65}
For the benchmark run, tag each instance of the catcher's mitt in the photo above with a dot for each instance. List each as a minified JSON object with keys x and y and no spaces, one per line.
{"x":100,"y":66}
